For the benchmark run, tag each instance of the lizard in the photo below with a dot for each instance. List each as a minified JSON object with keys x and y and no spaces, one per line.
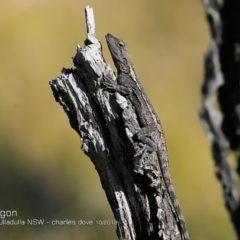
{"x":151,"y":132}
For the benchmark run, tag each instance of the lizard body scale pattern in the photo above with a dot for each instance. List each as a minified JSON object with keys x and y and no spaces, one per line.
{"x":151,"y":132}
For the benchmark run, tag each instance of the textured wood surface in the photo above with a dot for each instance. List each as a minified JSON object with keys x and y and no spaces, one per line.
{"x":106,"y":123}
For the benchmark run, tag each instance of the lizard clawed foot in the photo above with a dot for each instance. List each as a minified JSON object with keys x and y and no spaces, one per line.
{"x":109,"y":85}
{"x":113,"y":85}
{"x":139,"y":156}
{"x":140,"y":152}
{"x":149,"y":145}
{"x":138,"y":161}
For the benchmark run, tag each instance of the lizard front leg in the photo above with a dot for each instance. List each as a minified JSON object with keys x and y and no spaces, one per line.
{"x":116,"y":87}
{"x":122,"y":85}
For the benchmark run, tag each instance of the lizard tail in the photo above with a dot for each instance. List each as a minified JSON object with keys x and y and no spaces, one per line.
{"x":164,"y":167}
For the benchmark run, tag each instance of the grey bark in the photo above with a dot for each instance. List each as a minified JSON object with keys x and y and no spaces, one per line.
{"x":106,"y":124}
{"x":221,"y":87}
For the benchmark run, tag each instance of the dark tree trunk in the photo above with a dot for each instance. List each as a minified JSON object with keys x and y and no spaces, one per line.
{"x":222,"y":86}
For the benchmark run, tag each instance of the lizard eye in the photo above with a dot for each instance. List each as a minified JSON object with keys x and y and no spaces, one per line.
{"x":121,"y":44}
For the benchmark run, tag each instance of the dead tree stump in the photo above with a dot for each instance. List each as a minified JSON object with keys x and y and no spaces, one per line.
{"x":106,"y":124}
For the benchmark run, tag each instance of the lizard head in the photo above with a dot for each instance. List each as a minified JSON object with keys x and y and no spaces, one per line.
{"x":119,"y":51}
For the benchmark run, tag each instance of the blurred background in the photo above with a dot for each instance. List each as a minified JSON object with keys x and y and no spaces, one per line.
{"x":43,"y":172}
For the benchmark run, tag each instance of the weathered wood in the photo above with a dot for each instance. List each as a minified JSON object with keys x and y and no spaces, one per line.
{"x":106,"y":124}
{"x":222,"y":75}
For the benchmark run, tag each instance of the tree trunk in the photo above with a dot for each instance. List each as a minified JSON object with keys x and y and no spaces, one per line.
{"x":221,"y":83}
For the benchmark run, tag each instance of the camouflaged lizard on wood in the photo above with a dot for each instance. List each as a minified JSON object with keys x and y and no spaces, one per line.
{"x":151,"y":132}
